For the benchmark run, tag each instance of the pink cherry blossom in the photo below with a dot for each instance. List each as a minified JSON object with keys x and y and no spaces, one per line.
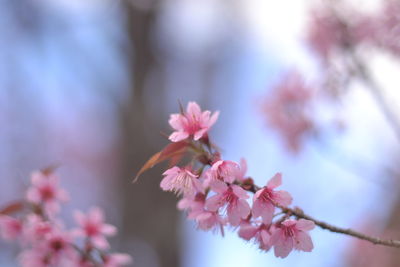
{"x":292,"y":234}
{"x":260,"y":233}
{"x":53,"y":249}
{"x":34,"y":257}
{"x":58,"y":243}
{"x":45,"y":191}
{"x":222,"y":170}
{"x":264,"y":200}
{"x":10,"y":228}
{"x":181,"y":181}
{"x":233,"y":197}
{"x":92,"y":226}
{"x":36,"y":229}
{"x":193,"y":123}
{"x":206,"y":220}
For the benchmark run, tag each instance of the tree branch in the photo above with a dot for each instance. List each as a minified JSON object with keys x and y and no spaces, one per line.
{"x":298,"y":213}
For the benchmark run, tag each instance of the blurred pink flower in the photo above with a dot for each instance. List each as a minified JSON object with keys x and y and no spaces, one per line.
{"x":264,"y":199}
{"x":287,"y":109}
{"x":384,"y":29}
{"x":327,"y":34}
{"x":233,"y":197}
{"x":45,"y":191}
{"x":10,"y":228}
{"x":35,"y":228}
{"x":181,"y":181}
{"x":53,"y":249}
{"x":192,"y":123}
{"x":92,"y":226}
{"x":292,"y":234}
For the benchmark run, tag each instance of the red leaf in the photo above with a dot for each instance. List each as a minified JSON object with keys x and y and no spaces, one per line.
{"x":11,"y":208}
{"x":173,"y":151}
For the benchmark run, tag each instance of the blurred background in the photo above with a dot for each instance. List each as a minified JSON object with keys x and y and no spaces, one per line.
{"x":89,"y":85}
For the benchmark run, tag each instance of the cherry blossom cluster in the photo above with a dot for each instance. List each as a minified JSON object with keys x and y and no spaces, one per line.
{"x":341,"y":38}
{"x":36,"y":226}
{"x":289,"y":110}
{"x":215,"y":192}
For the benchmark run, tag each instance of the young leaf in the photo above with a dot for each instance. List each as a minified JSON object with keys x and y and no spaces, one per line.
{"x":173,"y":151}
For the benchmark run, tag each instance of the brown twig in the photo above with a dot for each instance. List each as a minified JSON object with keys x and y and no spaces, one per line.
{"x":298,"y":213}
{"x":377,"y":241}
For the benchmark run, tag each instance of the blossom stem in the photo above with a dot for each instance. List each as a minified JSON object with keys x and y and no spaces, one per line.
{"x":375,"y":240}
{"x":298,"y":213}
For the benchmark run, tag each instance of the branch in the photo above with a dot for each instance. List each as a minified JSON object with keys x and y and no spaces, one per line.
{"x":377,"y":241}
{"x":298,"y":213}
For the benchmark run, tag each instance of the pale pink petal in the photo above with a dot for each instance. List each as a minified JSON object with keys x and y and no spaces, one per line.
{"x":172,"y":171}
{"x":283,"y":198}
{"x":214,"y":203}
{"x":233,"y":215}
{"x":176,"y":121}
{"x":184,"y":204}
{"x":166,"y":183}
{"x":243,"y":208}
{"x":108,"y":229}
{"x":277,"y":234}
{"x":216,"y":165}
{"x":193,"y":109}
{"x":258,"y":193}
{"x":33,"y":195}
{"x":265,"y":238}
{"x":305,"y":225}
{"x":247,"y":231}
{"x":10,"y":228}
{"x":178,"y":136}
{"x":51,"y":207}
{"x":198,"y":185}
{"x":228,"y":170}
{"x":205,"y":118}
{"x":213,"y":119}
{"x":37,"y":178}
{"x":267,"y":213}
{"x":203,"y":216}
{"x":275,"y":181}
{"x":303,"y":242}
{"x":100,"y":242}
{"x":239,"y":192}
{"x":289,"y":222}
{"x":199,"y":134}
{"x":218,"y":186}
{"x":257,"y":208}
{"x":283,"y":247}
{"x":96,"y":214}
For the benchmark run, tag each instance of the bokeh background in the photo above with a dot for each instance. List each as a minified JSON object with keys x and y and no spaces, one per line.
{"x":89,"y":85}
